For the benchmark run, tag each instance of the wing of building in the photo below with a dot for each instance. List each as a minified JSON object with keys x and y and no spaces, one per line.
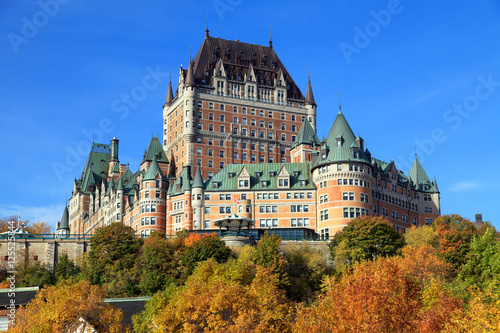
{"x":240,"y":137}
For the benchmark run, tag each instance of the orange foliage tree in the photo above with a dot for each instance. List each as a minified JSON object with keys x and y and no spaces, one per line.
{"x":386,"y":295}
{"x":215,"y":299}
{"x":68,"y":308}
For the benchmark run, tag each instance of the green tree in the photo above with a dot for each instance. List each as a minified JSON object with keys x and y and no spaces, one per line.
{"x":306,"y":268}
{"x":208,"y":246}
{"x":65,"y":268}
{"x":482,"y":267}
{"x":114,"y":249}
{"x":160,"y":261}
{"x":267,"y":255}
{"x":365,"y":238}
{"x":31,"y":273}
{"x":455,"y":235}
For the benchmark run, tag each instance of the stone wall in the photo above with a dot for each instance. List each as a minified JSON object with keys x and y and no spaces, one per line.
{"x":46,"y":251}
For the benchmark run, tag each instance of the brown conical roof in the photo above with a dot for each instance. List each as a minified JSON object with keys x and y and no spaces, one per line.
{"x":170,"y":94}
{"x":309,"y":94}
{"x":189,"y":76}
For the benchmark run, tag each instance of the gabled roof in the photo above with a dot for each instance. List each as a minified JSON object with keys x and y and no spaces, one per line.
{"x":64,"y":223}
{"x":419,"y":178}
{"x":237,"y":58}
{"x":155,"y":149}
{"x":153,"y":171}
{"x":341,"y":130}
{"x":307,"y":135}
{"x":227,"y":183}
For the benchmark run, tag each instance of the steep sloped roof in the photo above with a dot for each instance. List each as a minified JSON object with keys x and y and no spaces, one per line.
{"x":96,"y":166}
{"x":237,"y":58}
{"x":155,"y":149}
{"x":153,"y":170}
{"x":64,"y":223}
{"x":341,"y":153}
{"x":306,"y":134}
{"x":419,"y":178}
{"x":198,"y":179}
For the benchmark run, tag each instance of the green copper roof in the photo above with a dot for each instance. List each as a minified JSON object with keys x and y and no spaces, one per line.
{"x":153,"y":171}
{"x":182,"y":183}
{"x":227,"y":178}
{"x":336,"y":152}
{"x":120,"y":184}
{"x":419,"y":178}
{"x":64,"y":224}
{"x":155,"y":149}
{"x":307,"y":135}
{"x":96,"y":166}
{"x":198,"y":180}
{"x":116,"y":168}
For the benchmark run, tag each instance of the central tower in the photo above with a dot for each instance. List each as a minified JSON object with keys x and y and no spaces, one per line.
{"x":235,"y":103}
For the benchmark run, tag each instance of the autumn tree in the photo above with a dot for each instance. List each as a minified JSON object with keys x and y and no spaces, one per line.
{"x":455,"y":235}
{"x":423,"y":235}
{"x":39,"y":228}
{"x":68,"y":307}
{"x":376,"y":297}
{"x":110,"y":261}
{"x":8,"y":222}
{"x":365,"y":238}
{"x":210,"y":301}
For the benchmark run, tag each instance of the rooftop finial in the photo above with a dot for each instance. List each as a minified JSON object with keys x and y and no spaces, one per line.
{"x":308,"y":73}
{"x":270,"y":39}
{"x":190,"y":54}
{"x":206,"y":31}
{"x":478,"y":209}
{"x":415,"y":151}
{"x":340,"y":106}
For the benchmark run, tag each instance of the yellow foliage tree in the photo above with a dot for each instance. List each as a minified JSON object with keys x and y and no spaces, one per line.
{"x":68,"y":307}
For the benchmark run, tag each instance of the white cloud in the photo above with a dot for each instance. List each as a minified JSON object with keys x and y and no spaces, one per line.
{"x":466,"y":185}
{"x":49,"y":214}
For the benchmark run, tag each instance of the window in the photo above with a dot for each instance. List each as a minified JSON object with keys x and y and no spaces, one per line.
{"x":198,"y":151}
{"x":222,"y":129}
{"x":222,"y":118}
{"x":293,"y":117}
{"x":323,"y":215}
{"x":210,"y":116}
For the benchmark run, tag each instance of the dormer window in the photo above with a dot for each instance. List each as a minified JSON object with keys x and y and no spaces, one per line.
{"x":302,"y":183}
{"x":215,"y":185}
{"x":295,"y":173}
{"x":231,"y":174}
{"x":355,"y":154}
{"x":272,"y":174}
{"x":265,"y":183}
{"x":339,"y":142}
{"x":258,"y":174}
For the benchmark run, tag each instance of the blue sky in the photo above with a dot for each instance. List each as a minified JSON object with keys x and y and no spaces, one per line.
{"x":411,"y":74}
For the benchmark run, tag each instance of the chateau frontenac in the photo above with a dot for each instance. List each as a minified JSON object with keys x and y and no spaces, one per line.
{"x":240,"y":137}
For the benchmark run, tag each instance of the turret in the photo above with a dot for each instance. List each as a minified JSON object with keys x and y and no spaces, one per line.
{"x":197,"y":195}
{"x":63,"y":225}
